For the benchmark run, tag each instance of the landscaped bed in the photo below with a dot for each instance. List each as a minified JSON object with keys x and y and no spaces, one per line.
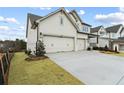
{"x":113,"y":53}
{"x":39,"y":72}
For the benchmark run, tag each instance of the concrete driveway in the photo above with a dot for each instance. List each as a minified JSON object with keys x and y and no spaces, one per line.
{"x":92,"y":67}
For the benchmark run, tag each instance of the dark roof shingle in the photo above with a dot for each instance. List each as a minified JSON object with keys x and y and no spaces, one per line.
{"x":95,"y":29}
{"x":33,"y":17}
{"x":113,"y":29}
{"x":86,"y":24}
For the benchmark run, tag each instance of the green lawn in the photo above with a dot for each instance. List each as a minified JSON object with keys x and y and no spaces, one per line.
{"x":38,"y":72}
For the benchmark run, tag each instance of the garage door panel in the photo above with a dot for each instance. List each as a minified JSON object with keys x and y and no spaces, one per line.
{"x":57,"y":44}
{"x":81,"y":44}
{"x":121,"y":48}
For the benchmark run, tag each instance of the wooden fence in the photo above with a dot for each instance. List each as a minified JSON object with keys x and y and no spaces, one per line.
{"x":5,"y":59}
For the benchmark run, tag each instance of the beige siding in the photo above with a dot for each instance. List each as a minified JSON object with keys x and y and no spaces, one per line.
{"x":103,"y":42}
{"x":53,"y":26}
{"x":79,"y":35}
{"x":31,"y":38}
{"x":93,"y":40}
{"x":57,"y":37}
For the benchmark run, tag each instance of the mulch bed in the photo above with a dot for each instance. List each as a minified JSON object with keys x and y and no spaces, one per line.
{"x":35,"y":58}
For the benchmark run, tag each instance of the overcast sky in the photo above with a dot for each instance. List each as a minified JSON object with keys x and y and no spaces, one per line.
{"x":13,"y":20}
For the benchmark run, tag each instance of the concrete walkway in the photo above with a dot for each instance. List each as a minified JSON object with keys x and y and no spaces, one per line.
{"x":92,"y":67}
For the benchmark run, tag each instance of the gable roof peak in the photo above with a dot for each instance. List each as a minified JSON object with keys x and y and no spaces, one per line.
{"x":33,"y":17}
{"x":74,"y":11}
{"x":96,"y":29}
{"x":114,"y":28}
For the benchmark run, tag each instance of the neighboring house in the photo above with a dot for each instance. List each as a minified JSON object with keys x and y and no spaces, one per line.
{"x":101,"y":40}
{"x":116,"y":35}
{"x":59,"y":31}
{"x":114,"y":32}
{"x":110,"y":36}
{"x":100,"y":30}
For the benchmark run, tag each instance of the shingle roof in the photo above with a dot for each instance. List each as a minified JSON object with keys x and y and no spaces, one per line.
{"x":113,"y":29}
{"x":86,"y":24}
{"x":33,"y":17}
{"x":95,"y":29}
{"x":73,"y":11}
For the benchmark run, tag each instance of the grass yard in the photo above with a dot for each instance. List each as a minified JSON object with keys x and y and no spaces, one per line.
{"x":112,"y":53}
{"x":43,"y":72}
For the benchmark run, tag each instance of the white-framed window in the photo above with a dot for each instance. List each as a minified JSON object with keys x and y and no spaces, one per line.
{"x":102,"y":33}
{"x":85,"y":29}
{"x":113,"y":34}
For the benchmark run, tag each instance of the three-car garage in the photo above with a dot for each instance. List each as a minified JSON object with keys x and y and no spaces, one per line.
{"x":63,"y":43}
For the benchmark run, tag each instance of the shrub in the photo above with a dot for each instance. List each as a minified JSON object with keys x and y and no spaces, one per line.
{"x":116,"y":49}
{"x":95,"y":48}
{"x":88,"y":48}
{"x":40,"y":50}
{"x":101,"y":48}
{"x":28,"y":52}
{"x":106,"y":48}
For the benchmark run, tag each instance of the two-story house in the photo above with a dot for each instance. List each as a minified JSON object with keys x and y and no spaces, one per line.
{"x":101,"y":40}
{"x":59,"y":31}
{"x":116,"y":34}
{"x":110,"y":36}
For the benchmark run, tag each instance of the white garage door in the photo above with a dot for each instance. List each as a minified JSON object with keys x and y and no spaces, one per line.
{"x":58,"y":44}
{"x":121,"y":48}
{"x":80,"y":44}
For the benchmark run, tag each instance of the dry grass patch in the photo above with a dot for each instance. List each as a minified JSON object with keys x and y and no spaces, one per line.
{"x":38,"y":72}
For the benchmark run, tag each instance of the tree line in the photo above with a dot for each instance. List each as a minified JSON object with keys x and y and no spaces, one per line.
{"x":13,"y":45}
